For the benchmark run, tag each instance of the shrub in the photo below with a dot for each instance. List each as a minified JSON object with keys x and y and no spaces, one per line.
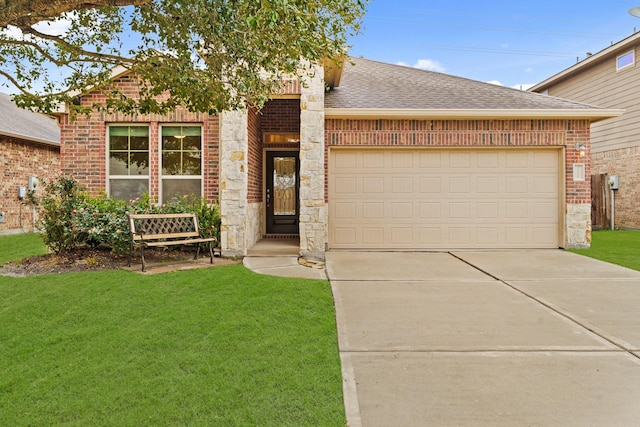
{"x":70,"y":217}
{"x":62,"y":199}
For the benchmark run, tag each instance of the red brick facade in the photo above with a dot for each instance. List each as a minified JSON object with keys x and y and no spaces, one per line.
{"x":84,"y":145}
{"x":19,"y":160}
{"x":255,"y":160}
{"x":470,"y":133}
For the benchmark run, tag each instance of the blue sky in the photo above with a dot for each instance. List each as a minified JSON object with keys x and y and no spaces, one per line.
{"x":516,"y":43}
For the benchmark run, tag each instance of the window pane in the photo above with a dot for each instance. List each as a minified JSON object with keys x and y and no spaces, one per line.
{"x":625,"y":60}
{"x":139,"y":142}
{"x":171,"y":130}
{"x":128,"y":189}
{"x":139,"y":131}
{"x":119,"y":131}
{"x":139,"y":164}
{"x":191,"y":143}
{"x":118,"y":163}
{"x":191,"y":163}
{"x":118,"y":142}
{"x":172,"y":188}
{"x":170,"y":143}
{"x":192,"y":130}
{"x":171,"y":163}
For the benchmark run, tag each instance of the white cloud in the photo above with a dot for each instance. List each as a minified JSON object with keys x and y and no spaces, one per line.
{"x":524,"y":86}
{"x":53,"y":28}
{"x":425,"y":64}
{"x":429,"y":65}
{"x":529,"y":70}
{"x":495,"y":82}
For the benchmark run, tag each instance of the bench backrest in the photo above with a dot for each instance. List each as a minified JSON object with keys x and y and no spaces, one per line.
{"x":163,"y":226}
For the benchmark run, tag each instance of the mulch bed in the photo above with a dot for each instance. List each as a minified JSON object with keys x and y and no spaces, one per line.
{"x":89,"y":259}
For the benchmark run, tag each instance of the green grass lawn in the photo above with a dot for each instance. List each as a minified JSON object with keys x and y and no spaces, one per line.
{"x":18,"y":246}
{"x":220,"y":346}
{"x":617,"y":247}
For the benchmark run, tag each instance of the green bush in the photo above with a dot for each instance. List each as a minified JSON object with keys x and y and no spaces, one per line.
{"x":70,"y":217}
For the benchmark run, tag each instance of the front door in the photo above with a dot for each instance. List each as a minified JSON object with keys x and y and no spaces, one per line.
{"x":281,"y":198}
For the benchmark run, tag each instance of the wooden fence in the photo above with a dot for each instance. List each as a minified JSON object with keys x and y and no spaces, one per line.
{"x":600,"y":202}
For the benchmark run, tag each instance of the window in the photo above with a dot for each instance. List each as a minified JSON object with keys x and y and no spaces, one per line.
{"x":626,"y":60}
{"x":181,"y":161}
{"x":128,"y":162}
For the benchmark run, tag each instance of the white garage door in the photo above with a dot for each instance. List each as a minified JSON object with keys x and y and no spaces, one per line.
{"x":443,"y":198}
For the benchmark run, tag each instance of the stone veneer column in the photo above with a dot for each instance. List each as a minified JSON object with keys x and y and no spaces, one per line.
{"x":313,"y":209}
{"x":578,"y":226}
{"x":234,"y":143}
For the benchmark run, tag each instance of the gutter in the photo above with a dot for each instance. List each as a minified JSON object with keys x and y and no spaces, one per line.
{"x":594,"y":115}
{"x":31,"y":139}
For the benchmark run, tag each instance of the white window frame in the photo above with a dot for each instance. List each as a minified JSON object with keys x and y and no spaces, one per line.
{"x":109,"y":177}
{"x":161,"y":176}
{"x":624,"y":67}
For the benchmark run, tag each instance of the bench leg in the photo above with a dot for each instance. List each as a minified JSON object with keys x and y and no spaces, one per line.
{"x":197,"y":251}
{"x":142,"y":255}
{"x":130,"y":253}
{"x":211,"y":252}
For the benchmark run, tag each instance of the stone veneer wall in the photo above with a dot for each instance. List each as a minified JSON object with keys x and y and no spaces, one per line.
{"x":234,"y":142}
{"x":578,"y":230}
{"x":484,"y":133}
{"x":20,"y":159}
{"x":626,"y":164}
{"x":313,"y":206}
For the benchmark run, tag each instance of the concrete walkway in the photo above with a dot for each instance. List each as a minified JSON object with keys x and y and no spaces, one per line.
{"x":279,"y":257}
{"x":502,"y":338}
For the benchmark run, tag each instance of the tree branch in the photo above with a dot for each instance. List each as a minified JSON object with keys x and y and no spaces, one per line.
{"x":76,"y":49}
{"x":26,"y":13}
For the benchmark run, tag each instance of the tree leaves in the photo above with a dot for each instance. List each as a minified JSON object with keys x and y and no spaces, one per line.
{"x":206,"y":55}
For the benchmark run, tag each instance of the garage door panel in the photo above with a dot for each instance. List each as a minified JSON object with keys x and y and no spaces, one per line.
{"x":436,"y":198}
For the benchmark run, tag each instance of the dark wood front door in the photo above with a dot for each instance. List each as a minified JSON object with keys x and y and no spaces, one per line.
{"x":282,"y":188}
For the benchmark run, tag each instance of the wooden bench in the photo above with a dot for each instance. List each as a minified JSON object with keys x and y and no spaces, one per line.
{"x":149,"y":230}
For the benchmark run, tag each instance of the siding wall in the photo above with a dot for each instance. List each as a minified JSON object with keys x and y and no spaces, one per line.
{"x":601,"y":85}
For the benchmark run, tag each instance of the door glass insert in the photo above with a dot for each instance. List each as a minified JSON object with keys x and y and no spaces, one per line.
{"x":284,"y":186}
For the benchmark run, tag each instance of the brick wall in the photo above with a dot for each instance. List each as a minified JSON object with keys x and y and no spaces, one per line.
{"x":626,"y":164}
{"x":254,"y":190}
{"x":18,"y":161}
{"x":83,"y":142}
{"x":281,"y":115}
{"x":470,"y":133}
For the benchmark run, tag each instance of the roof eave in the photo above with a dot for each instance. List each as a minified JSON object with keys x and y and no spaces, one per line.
{"x":31,"y":139}
{"x":593,"y":115}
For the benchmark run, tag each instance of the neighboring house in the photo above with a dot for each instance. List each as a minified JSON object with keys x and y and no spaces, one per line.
{"x":609,"y":79}
{"x":389,"y":157}
{"x":29,"y":148}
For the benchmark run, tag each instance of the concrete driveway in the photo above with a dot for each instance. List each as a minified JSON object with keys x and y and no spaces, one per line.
{"x":499,"y":338}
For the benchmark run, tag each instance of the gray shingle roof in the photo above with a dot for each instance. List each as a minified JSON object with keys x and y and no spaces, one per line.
{"x":368,"y":84}
{"x":19,"y":123}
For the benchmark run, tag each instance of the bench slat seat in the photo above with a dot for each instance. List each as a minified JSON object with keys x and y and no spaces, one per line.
{"x":156,"y":230}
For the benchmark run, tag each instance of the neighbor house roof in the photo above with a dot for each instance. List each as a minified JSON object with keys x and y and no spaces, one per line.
{"x":19,"y":123}
{"x":615,"y":49}
{"x":371,"y":89}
